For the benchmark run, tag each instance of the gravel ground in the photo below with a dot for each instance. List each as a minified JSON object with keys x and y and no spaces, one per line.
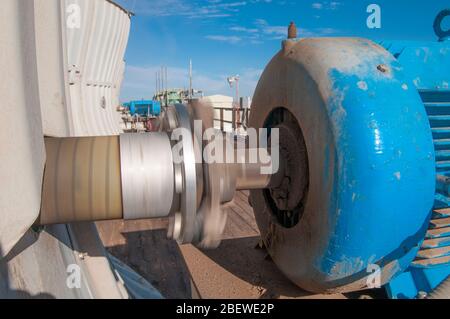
{"x":239,"y":268}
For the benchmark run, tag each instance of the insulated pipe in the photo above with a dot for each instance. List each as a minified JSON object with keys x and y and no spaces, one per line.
{"x":82,"y":180}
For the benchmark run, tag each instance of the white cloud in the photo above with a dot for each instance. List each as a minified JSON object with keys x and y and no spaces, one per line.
{"x":326,"y":5}
{"x":260,"y":22}
{"x":162,"y":7}
{"x":229,"y":4}
{"x":189,"y":9}
{"x":280,"y":32}
{"x":317,"y":32}
{"x":244,"y":29}
{"x":224,"y":38}
{"x":274,"y":30}
{"x":263,"y":31}
{"x":334,"y":5}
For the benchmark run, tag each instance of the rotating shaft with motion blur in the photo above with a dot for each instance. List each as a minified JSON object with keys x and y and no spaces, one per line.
{"x":132,"y":176}
{"x":103,"y":178}
{"x":81,"y":180}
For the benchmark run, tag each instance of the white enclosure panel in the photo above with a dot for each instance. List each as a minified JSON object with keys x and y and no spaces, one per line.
{"x":58,"y":79}
{"x":80,"y":51}
{"x":37,"y":99}
{"x":52,"y":72}
{"x":21,"y":135}
{"x":95,"y":52}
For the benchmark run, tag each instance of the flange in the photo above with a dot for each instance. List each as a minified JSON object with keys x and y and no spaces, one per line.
{"x":184,"y":225}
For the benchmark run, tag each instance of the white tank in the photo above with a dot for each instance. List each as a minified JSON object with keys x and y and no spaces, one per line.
{"x":223,"y":115}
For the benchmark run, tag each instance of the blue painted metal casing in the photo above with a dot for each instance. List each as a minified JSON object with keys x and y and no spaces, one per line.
{"x":384,"y":154}
{"x":370,"y":161}
{"x":144,"y":107}
{"x":428,"y":66}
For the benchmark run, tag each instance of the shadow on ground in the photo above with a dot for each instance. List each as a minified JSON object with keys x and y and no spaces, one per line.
{"x":156,"y":259}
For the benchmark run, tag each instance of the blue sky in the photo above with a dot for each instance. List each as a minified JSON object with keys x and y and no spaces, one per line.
{"x":231,"y":37}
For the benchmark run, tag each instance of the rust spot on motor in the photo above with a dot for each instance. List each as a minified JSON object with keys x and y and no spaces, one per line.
{"x":383,"y":68}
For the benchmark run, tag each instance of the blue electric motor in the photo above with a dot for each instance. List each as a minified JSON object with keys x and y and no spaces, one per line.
{"x":365,"y":134}
{"x":148,"y":108}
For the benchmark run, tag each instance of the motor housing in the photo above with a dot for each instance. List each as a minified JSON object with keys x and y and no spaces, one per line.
{"x":370,"y":163}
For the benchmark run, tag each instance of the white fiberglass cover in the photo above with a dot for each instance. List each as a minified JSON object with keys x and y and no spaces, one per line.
{"x":61,"y":67}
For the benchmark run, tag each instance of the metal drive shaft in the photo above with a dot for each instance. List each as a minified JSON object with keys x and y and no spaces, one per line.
{"x":82,"y":180}
{"x":128,"y":177}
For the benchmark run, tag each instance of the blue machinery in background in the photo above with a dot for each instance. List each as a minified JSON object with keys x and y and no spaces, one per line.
{"x":428,"y":65}
{"x":148,"y":108}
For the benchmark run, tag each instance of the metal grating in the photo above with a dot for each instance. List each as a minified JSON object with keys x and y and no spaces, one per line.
{"x":435,"y":249}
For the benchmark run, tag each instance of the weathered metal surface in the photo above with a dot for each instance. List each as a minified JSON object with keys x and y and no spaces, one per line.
{"x":428,"y":65}
{"x":369,"y":148}
{"x":422,"y":278}
{"x":424,"y":62}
